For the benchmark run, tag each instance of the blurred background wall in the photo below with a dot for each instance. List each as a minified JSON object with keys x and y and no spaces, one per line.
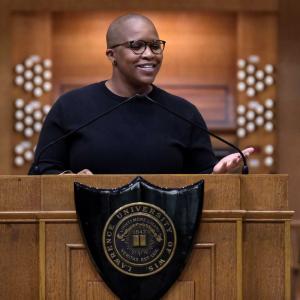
{"x":210,"y":46}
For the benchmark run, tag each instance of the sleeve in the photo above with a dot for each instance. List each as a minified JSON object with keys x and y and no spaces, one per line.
{"x":200,"y":157}
{"x":52,"y":158}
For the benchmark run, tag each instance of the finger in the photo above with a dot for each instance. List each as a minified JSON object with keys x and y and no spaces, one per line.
{"x":220,"y":167}
{"x":248,"y":151}
{"x":85,"y":172}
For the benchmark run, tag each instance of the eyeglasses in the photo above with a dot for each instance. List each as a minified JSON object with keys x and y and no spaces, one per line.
{"x":139,"y":46}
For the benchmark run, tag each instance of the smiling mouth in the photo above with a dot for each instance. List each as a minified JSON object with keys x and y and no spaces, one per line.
{"x":147,"y":66}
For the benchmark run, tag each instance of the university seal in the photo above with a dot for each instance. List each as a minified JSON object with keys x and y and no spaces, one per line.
{"x":139,"y":239}
{"x":139,"y":235}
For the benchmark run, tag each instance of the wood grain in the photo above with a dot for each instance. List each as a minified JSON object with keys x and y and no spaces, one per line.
{"x":238,"y":253}
{"x":19,"y":277}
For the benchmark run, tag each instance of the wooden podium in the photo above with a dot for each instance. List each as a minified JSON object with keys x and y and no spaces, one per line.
{"x":242,"y":250}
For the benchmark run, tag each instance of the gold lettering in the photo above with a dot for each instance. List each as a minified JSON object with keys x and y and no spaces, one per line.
{"x":126,"y":212}
{"x":170,"y":244}
{"x":110,"y":248}
{"x":152,"y":211}
{"x":150,"y":268}
{"x":169,"y":229}
{"x":111,"y":227}
{"x":138,"y":208}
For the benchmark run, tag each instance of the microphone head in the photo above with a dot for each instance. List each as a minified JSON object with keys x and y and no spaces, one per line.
{"x":245,"y":169}
{"x":34,"y":170}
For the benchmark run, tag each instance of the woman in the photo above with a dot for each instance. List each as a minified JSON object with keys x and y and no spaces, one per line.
{"x":138,"y":137}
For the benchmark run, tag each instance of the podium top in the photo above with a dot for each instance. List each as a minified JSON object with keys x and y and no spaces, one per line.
{"x":222,"y":192}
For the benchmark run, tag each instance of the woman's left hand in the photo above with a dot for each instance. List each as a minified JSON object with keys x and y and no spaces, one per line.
{"x":232,"y":163}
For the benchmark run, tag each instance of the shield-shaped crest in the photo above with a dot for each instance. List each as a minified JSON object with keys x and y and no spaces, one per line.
{"x":139,"y":235}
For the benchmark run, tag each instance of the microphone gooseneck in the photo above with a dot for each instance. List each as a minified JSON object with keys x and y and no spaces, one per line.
{"x":35,"y":169}
{"x":245,"y":169}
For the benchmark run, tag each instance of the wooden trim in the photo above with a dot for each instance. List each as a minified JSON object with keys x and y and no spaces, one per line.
{"x":229,"y":215}
{"x":212,"y":247}
{"x":42,"y":260}
{"x":239,"y":258}
{"x":287,"y":253}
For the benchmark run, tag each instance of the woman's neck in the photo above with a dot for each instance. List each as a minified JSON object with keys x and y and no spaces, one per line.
{"x":125,"y":90}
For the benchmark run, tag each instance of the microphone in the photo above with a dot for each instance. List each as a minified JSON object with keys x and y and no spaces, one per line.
{"x":35,"y":169}
{"x":245,"y":169}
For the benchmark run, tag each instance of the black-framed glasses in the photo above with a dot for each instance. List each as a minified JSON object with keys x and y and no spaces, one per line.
{"x":139,"y":46}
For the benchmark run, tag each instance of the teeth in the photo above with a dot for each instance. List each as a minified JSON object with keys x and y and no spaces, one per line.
{"x":146,"y":66}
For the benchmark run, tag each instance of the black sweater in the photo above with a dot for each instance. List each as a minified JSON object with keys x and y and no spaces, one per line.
{"x":139,"y":137}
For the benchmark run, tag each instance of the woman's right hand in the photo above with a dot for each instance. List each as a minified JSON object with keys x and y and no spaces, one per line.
{"x":82,"y":172}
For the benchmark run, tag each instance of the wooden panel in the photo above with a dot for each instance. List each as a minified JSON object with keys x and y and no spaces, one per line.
{"x":205,"y":274}
{"x":84,"y":281}
{"x":288,"y":117}
{"x":98,"y":291}
{"x":58,"y":195}
{"x":58,"y":236}
{"x":223,"y":251}
{"x":263,"y":264}
{"x":214,"y":268}
{"x":19,"y":263}
{"x":204,"y":55}
{"x":258,"y":35}
{"x":31,"y":34}
{"x":289,"y":94}
{"x":255,"y":5}
{"x":270,"y":194}
{"x":181,"y":290}
{"x":5,"y":91}
{"x":19,"y":193}
{"x":214,"y":102}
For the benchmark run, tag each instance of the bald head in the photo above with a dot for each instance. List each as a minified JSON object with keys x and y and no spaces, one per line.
{"x":118,"y":30}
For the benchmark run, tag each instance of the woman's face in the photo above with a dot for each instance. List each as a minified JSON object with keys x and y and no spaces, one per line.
{"x":137,"y":70}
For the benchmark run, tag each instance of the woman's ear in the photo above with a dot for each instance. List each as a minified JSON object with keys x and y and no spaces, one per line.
{"x":110,"y":55}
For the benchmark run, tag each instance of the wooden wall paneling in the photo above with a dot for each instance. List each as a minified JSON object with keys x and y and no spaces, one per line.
{"x":216,"y":5}
{"x":200,"y":52}
{"x":10,"y":7}
{"x":18,"y":263}
{"x":258,"y":35}
{"x":79,"y":46}
{"x":31,"y":34}
{"x":288,"y":117}
{"x":289,"y":94}
{"x":6,"y":86}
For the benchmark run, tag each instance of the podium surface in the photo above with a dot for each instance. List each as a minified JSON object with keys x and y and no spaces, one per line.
{"x":241,"y":251}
